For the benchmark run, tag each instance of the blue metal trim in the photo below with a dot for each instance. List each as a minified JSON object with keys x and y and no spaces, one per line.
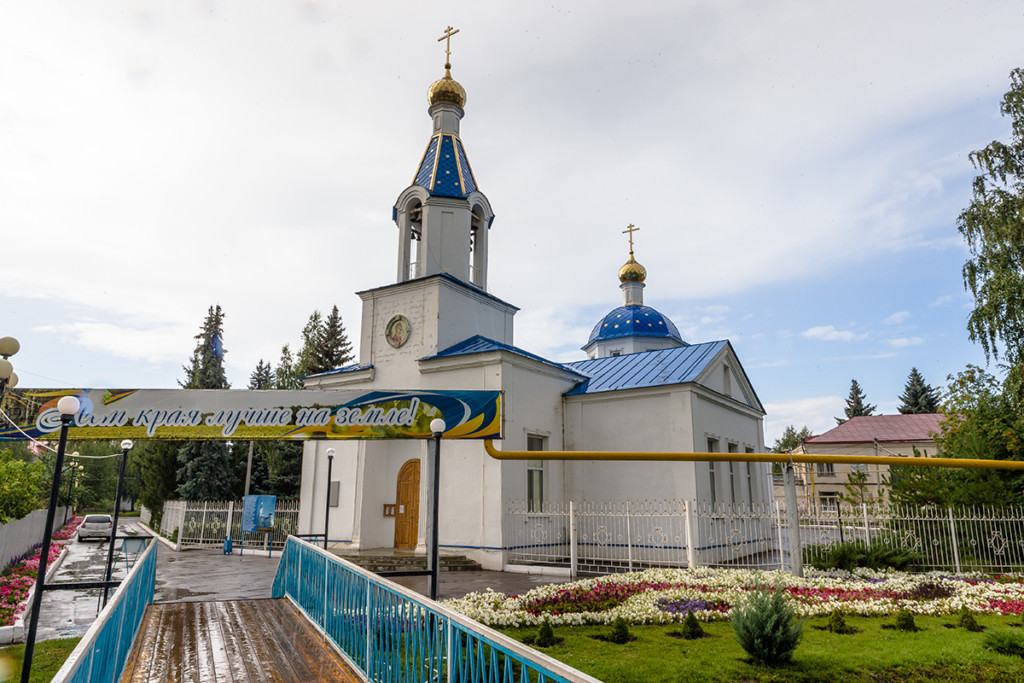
{"x":480,"y":344}
{"x":390,"y":636}
{"x":103,"y":651}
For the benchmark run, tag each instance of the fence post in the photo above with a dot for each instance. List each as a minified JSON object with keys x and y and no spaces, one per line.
{"x":867,"y":530}
{"x":231,"y":516}
{"x":202,"y":527}
{"x":796,"y":555}
{"x":573,"y":552}
{"x":691,"y":551}
{"x":778,"y":523}
{"x":629,"y":539}
{"x":952,"y":536}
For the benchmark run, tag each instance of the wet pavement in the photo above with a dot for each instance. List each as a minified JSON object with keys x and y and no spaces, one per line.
{"x":208,"y":575}
{"x":69,"y":613}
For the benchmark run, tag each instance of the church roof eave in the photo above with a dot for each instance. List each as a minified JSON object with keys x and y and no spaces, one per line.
{"x":479,"y":344}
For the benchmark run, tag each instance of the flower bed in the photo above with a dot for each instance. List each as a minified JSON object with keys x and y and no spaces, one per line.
{"x":663,"y":596}
{"x":20,"y":575}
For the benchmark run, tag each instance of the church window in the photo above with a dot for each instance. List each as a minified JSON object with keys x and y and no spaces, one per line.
{"x":535,"y":474}
{"x":750,"y":477}
{"x":732,"y":474}
{"x":415,"y":240}
{"x":712,"y":466}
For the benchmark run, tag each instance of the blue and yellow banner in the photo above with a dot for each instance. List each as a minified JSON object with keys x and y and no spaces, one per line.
{"x":184,"y":414}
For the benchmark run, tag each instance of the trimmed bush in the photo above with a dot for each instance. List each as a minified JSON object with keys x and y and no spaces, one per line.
{"x":966,"y":620}
{"x":619,"y":633}
{"x":837,"y":623}
{"x":545,"y":636}
{"x":905,"y":621}
{"x":766,"y":627}
{"x":691,"y":628}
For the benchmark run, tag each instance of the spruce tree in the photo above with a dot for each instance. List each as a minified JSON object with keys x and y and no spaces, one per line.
{"x":262,"y":377}
{"x":336,"y":350}
{"x":855,"y":405}
{"x":309,"y":361}
{"x":918,"y":396}
{"x":205,"y":471}
{"x":286,"y":375}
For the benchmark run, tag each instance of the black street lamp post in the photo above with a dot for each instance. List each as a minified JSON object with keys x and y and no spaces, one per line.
{"x":126,"y":446}
{"x":327,"y":505}
{"x":437,"y":426}
{"x":67,"y":406}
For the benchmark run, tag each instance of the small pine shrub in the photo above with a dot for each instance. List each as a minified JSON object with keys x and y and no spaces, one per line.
{"x":691,"y":627}
{"x":545,"y":636}
{"x":966,"y":620}
{"x":1005,"y":642}
{"x":905,"y":621}
{"x":766,"y":626}
{"x":619,"y":633}
{"x":837,"y":623}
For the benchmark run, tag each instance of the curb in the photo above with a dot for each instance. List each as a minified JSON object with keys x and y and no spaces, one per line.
{"x":16,"y":632}
{"x":176,"y":547}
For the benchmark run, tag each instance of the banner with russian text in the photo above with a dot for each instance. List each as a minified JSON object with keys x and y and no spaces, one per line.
{"x":183,"y":414}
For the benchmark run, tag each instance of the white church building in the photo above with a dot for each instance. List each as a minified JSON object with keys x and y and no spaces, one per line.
{"x":641,"y":387}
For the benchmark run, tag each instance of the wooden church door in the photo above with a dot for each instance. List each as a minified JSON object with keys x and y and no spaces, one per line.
{"x":407,"y":500}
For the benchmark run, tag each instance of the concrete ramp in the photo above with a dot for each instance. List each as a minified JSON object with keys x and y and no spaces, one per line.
{"x":243,"y":640}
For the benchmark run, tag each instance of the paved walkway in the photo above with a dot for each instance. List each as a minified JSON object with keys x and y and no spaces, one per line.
{"x":238,"y":641}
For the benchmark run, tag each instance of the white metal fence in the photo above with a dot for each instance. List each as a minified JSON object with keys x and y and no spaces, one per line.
{"x":208,"y":523}
{"x":600,"y":537}
{"x":17,"y":537}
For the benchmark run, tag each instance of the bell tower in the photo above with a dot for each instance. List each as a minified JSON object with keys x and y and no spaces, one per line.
{"x":443,"y":219}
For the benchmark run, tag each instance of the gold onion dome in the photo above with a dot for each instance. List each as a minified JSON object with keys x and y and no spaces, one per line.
{"x":447,"y":89}
{"x":632,"y":271}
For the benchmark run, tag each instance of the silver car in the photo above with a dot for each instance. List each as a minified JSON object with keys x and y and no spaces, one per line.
{"x":96,"y":526}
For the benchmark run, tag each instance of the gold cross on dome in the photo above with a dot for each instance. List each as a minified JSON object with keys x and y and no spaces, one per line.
{"x":448,"y":33}
{"x":630,"y":230}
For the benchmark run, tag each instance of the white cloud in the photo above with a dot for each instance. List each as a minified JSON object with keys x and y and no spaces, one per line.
{"x":942,"y":300}
{"x":830,"y":333}
{"x":897,"y":318}
{"x":904,"y":342}
{"x":156,"y":344}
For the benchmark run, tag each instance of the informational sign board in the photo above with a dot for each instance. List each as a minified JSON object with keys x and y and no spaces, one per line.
{"x":258,"y":513}
{"x":240,"y":415}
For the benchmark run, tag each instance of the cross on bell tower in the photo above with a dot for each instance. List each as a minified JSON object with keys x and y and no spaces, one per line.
{"x":443,"y":219}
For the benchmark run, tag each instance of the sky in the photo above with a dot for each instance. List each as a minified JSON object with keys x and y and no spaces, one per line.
{"x":795,"y":169}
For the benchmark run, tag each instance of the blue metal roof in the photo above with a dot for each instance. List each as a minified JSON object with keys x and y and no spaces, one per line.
{"x":337,"y":371}
{"x":645,"y":369}
{"x":634,"y":321}
{"x":444,"y":170}
{"x":480,"y":344}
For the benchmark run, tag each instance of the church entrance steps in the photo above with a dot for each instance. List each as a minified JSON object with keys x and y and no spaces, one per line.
{"x":382,"y":560}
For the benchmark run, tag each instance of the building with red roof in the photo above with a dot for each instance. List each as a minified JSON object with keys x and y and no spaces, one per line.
{"x":871,"y":435}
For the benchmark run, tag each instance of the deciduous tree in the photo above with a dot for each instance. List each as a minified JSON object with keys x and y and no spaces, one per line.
{"x":993,"y":227}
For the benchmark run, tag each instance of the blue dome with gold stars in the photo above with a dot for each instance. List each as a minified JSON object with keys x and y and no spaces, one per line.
{"x":634,"y":321}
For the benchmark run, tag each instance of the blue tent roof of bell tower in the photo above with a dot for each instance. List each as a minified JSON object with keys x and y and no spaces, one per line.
{"x":444,"y":170}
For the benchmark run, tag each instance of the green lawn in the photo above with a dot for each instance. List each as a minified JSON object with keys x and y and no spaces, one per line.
{"x":934,"y":653}
{"x":48,"y":657}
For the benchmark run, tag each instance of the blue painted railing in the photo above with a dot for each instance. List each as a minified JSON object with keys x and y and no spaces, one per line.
{"x":101,"y":654}
{"x":394,"y":635}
